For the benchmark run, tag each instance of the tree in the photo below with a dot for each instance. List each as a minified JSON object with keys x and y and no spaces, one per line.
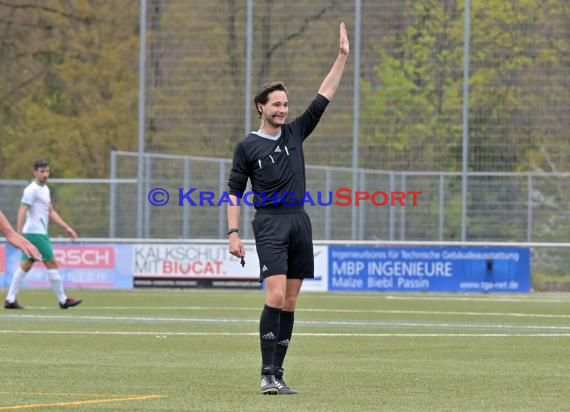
{"x":69,"y":86}
{"x":410,"y":106}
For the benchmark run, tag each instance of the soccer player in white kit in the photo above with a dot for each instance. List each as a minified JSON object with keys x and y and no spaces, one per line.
{"x":36,"y":211}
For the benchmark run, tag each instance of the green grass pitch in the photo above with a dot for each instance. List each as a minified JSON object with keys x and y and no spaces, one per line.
{"x":198,"y":350}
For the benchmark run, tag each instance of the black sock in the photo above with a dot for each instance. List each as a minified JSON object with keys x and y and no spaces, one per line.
{"x":268,"y":334}
{"x":285,"y":332}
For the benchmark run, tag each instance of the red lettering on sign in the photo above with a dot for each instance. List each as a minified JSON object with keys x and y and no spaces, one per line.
{"x":196,"y":267}
{"x":85,"y":257}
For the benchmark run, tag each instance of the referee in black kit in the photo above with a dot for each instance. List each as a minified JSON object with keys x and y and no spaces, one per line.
{"x":273,"y":159}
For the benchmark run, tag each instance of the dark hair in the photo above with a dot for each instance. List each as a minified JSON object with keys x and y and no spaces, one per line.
{"x":38,"y":164}
{"x":264,"y":91}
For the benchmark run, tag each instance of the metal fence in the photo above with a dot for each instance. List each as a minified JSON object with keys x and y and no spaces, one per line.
{"x":454,"y":86}
{"x":503,"y":206}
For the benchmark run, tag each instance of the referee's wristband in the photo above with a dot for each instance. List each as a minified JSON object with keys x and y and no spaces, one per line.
{"x":233,"y":230}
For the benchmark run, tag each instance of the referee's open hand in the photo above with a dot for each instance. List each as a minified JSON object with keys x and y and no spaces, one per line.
{"x":344,"y":45}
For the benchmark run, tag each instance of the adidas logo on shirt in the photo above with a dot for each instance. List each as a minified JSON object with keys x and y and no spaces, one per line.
{"x":277,"y":149}
{"x":269,"y":335}
{"x":264,"y":268}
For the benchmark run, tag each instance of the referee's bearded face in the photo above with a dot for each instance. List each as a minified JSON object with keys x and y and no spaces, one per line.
{"x":276,"y":109}
{"x":41,"y":174}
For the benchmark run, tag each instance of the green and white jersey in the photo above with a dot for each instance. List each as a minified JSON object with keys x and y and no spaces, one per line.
{"x":38,"y":199}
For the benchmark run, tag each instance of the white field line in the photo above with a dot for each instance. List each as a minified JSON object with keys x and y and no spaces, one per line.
{"x":374,"y":335}
{"x":321,"y":310}
{"x":473,"y":297}
{"x":364,"y":323}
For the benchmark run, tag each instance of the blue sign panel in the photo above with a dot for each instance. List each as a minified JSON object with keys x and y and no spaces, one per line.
{"x":437,"y":269}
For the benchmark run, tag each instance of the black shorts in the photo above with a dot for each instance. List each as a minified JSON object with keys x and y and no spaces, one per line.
{"x":284,"y":242}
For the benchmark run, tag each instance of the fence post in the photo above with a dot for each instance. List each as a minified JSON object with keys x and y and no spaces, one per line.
{"x":403,"y":212}
{"x":147,"y":221}
{"x":355,"y":110}
{"x":141,"y":119}
{"x":529,"y":209}
{"x":327,"y":208}
{"x":441,"y":205}
{"x":248,"y":66}
{"x":465,"y":143}
{"x":221,"y":215}
{"x":391,"y":222}
{"x":362,"y":209}
{"x":186,"y":209}
{"x":113,"y":196}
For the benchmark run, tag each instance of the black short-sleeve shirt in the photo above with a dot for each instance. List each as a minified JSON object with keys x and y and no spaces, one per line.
{"x":276,"y":167}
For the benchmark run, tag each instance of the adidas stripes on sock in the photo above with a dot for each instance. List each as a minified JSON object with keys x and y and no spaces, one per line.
{"x":285,"y":333}
{"x":268,"y":334}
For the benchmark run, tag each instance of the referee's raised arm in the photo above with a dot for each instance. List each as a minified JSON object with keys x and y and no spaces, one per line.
{"x":332,"y":80}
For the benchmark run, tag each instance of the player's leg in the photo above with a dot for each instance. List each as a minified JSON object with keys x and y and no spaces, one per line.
{"x":271,"y":239}
{"x":11,"y":301}
{"x":55,"y":280}
{"x":44,"y":245}
{"x":51,"y":266}
{"x":25,"y":266}
{"x":285,"y":332}
{"x":269,"y":330}
{"x":57,"y":286}
{"x":300,"y":266}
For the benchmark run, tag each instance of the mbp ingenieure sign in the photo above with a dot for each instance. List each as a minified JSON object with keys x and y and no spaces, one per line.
{"x":438,"y":269}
